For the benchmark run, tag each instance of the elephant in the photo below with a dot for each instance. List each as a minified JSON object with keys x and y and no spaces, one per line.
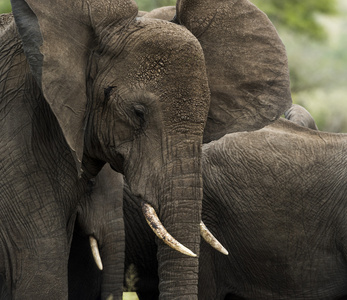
{"x":276,"y":199}
{"x":84,"y":83}
{"x":299,"y":115}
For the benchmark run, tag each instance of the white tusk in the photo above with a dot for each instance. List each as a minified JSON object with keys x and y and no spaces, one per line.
{"x":160,"y":231}
{"x":95,"y":251}
{"x":210,"y":239}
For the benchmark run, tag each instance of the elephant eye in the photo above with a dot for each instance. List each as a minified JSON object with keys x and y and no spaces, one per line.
{"x":140,"y":112}
{"x":107,"y":92}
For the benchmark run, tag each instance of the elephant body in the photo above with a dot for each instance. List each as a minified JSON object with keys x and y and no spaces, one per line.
{"x":278,"y":197}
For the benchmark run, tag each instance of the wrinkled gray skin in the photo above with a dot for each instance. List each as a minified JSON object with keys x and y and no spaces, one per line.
{"x":276,"y":199}
{"x":84,"y":83}
{"x":299,"y":115}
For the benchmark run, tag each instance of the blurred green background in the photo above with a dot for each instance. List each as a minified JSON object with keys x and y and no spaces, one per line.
{"x":315,"y":35}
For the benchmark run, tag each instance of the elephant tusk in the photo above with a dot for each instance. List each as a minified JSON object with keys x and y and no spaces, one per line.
{"x":95,"y":251}
{"x":160,"y":231}
{"x":210,"y":239}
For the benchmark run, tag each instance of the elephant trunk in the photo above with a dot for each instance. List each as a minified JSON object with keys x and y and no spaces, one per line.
{"x":180,"y":213}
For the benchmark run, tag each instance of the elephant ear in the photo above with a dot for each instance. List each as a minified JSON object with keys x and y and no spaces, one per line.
{"x":246,"y":64}
{"x":57,"y":39}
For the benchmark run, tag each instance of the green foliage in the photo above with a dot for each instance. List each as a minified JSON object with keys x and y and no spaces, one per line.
{"x":318,"y":71}
{"x":5,"y":6}
{"x":130,"y":296}
{"x":148,"y":5}
{"x":130,"y":279}
{"x":299,"y":15}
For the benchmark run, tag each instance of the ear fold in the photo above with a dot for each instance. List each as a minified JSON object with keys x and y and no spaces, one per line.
{"x":57,"y":38}
{"x":246,"y":64}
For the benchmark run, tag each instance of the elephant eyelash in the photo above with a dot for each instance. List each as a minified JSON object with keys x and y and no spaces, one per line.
{"x":140,"y":113}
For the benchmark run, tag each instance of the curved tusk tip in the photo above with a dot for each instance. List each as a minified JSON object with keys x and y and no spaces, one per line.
{"x":224,"y":251}
{"x":210,"y":239}
{"x":189,"y":253}
{"x":95,"y":251}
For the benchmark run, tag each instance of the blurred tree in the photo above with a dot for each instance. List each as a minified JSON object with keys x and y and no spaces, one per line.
{"x":299,"y":15}
{"x":5,"y":6}
{"x":148,"y":5}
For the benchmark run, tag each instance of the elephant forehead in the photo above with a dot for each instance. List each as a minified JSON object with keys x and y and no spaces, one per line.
{"x":155,"y":45}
